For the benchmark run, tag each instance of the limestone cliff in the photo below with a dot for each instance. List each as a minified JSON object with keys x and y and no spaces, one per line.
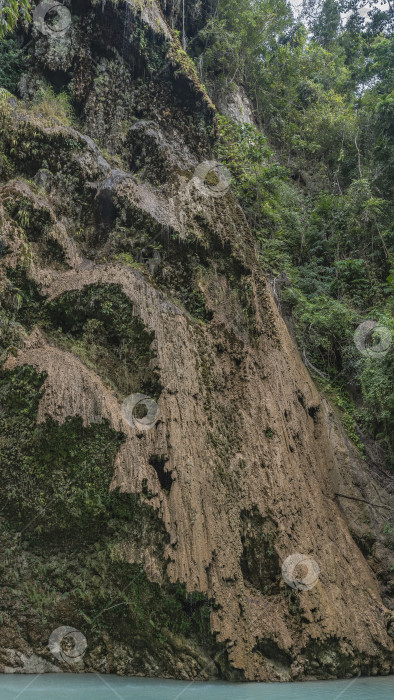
{"x":122,"y":275}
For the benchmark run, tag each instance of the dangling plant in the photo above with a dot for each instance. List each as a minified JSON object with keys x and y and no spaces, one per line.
{"x":10,"y":12}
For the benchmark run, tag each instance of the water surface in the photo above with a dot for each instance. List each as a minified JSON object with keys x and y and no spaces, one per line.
{"x":69,"y":686}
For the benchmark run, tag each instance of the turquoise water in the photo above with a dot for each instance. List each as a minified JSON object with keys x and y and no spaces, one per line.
{"x":102,"y":687}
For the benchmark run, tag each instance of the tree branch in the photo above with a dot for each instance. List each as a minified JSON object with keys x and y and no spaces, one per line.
{"x":362,"y":500}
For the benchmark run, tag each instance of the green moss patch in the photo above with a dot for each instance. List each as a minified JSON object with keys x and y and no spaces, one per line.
{"x":55,"y":477}
{"x":63,"y":534}
{"x":98,"y":324}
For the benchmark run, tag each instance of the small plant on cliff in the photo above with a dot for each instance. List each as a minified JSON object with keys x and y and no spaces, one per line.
{"x":46,"y":103}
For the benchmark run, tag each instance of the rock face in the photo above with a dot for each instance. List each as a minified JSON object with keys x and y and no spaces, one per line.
{"x":243,"y":464}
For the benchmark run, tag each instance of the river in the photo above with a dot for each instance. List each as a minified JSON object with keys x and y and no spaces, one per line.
{"x":106,"y":687}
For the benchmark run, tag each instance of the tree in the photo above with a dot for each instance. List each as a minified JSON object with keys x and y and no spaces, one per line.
{"x":325,"y":28}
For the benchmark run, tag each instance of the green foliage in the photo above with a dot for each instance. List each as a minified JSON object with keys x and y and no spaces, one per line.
{"x":301,"y":93}
{"x":50,"y":105}
{"x":10,"y":12}
{"x":324,"y":327}
{"x":325,"y":234}
{"x":325,"y":27}
{"x":236,"y":37}
{"x":55,"y":477}
{"x":376,"y":377}
{"x":257,"y":176}
{"x":33,"y":218}
{"x":85,"y":584}
{"x":13,"y":62}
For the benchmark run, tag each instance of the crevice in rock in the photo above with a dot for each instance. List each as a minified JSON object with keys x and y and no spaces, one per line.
{"x":272,"y":651}
{"x":158,"y":463}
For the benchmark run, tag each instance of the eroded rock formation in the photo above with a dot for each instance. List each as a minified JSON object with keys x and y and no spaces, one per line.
{"x":244,"y":464}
